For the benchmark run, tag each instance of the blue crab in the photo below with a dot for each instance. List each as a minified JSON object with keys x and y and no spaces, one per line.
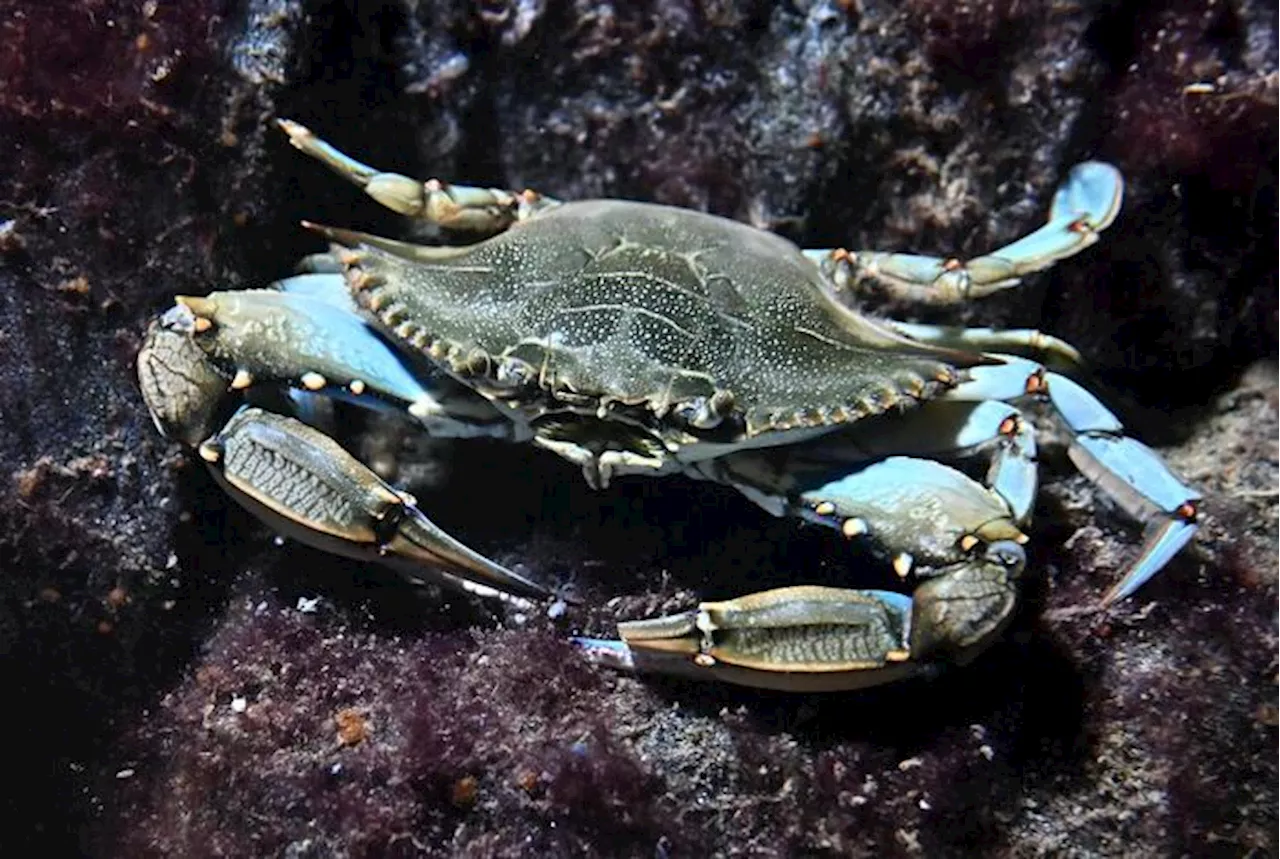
{"x":639,"y":339}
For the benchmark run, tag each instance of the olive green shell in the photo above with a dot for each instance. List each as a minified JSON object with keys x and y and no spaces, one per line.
{"x":602,"y":303}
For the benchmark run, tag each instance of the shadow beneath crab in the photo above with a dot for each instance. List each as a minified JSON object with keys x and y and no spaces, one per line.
{"x":966,"y":745}
{"x":971,"y":742}
{"x":371,"y":596}
{"x":643,"y":547}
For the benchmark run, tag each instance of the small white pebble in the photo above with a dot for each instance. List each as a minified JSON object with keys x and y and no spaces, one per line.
{"x":239,"y":704}
{"x":924,"y":805}
{"x":986,"y":751}
{"x":171,"y":561}
{"x":308,"y":605}
{"x":125,"y":773}
{"x":556,"y":609}
{"x":910,"y":764}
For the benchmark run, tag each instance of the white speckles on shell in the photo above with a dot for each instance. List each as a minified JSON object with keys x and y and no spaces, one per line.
{"x":648,"y":304}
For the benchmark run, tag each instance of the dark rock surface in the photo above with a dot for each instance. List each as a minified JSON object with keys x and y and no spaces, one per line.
{"x":166,"y":695}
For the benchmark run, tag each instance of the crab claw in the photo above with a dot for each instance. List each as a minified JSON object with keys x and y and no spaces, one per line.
{"x":183,"y":391}
{"x":803,"y":638}
{"x":303,"y":483}
{"x":812,"y":639}
{"x":304,"y":328}
{"x":927,"y":515}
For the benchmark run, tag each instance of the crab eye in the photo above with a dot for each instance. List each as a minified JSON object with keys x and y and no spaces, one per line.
{"x":699,"y":414}
{"x":1007,"y":554}
{"x":178,"y":318}
{"x":705,"y":413}
{"x":514,"y":372}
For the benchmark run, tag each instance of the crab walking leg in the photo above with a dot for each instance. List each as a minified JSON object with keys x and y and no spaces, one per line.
{"x":1043,"y":347}
{"x":1129,"y":471}
{"x":303,"y":483}
{"x":995,"y":429}
{"x":454,"y":207}
{"x":937,"y":429}
{"x":1085,"y":205}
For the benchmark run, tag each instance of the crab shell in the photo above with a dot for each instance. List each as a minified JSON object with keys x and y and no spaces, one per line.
{"x":693,"y":327}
